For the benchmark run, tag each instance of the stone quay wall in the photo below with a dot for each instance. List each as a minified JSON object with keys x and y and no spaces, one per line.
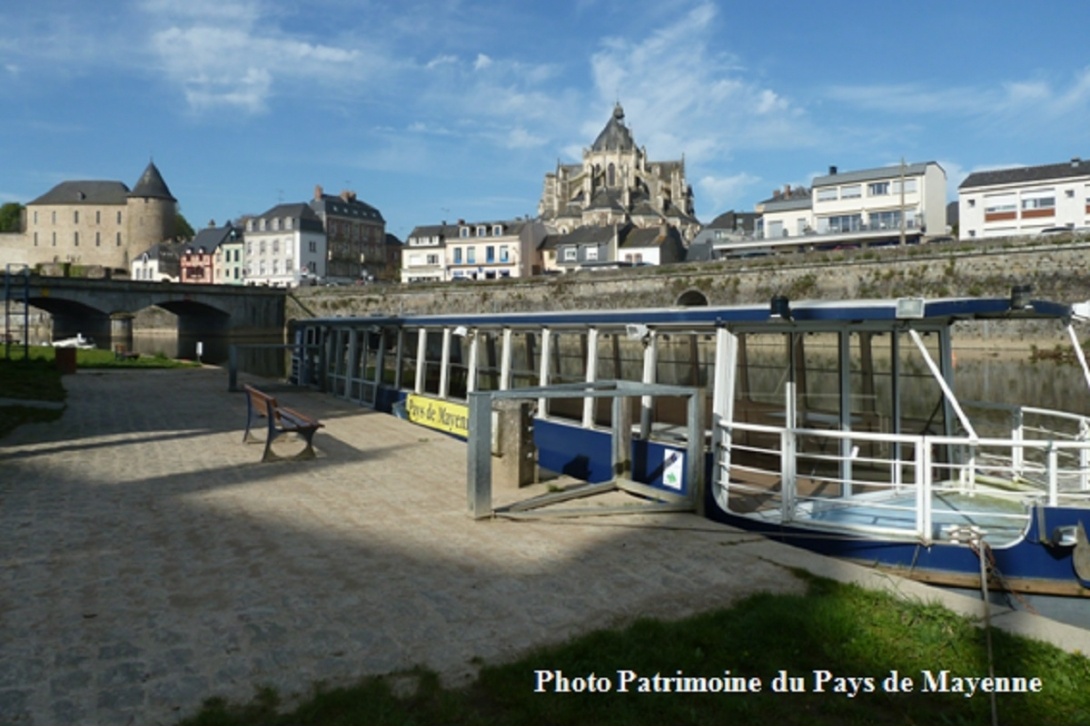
{"x":1056,"y":271}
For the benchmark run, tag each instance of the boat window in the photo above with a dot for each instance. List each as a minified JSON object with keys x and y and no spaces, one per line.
{"x":567,"y":364}
{"x":433,"y":361}
{"x":408,"y":359}
{"x":763,"y":371}
{"x":619,"y":357}
{"x":389,"y":356}
{"x":525,"y":353}
{"x":684,"y":359}
{"x":459,"y":369}
{"x":489,"y":349}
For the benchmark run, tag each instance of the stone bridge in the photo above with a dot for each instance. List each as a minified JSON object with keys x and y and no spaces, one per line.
{"x":105,"y":309}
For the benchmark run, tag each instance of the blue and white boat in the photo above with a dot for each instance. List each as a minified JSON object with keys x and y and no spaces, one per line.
{"x":837,"y":426}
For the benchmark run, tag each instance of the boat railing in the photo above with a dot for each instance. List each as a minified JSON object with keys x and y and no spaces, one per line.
{"x":1028,"y":422}
{"x":903,"y":485}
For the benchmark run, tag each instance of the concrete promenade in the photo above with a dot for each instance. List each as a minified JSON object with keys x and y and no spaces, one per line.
{"x":149,"y":560}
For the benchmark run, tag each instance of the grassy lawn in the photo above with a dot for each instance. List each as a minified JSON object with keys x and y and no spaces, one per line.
{"x":833,"y":633}
{"x":36,"y":378}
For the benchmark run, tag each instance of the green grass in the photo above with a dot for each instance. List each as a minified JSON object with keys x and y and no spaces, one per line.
{"x":37,"y":379}
{"x":97,"y":358}
{"x":841,"y":629}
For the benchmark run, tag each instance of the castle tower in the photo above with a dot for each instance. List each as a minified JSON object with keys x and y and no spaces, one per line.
{"x":151,"y":212}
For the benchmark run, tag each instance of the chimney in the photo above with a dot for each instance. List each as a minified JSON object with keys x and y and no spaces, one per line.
{"x":1075,"y":161}
{"x":318,"y":191}
{"x":211,"y":224}
{"x":787,"y":191}
{"x":832,"y":170}
{"x":776,"y":193}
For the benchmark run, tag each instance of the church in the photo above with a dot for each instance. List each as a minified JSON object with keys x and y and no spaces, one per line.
{"x":616,"y":184}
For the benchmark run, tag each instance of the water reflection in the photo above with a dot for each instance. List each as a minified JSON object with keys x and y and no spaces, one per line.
{"x":215,"y":350}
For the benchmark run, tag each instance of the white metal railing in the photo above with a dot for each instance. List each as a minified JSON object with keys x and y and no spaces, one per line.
{"x":906,"y":486}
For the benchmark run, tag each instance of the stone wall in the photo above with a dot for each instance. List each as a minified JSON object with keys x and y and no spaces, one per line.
{"x":1055,"y":271}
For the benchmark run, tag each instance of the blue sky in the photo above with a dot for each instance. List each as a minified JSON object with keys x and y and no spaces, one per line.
{"x":436,"y":110}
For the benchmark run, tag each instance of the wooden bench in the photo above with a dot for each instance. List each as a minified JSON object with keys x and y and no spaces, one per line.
{"x":281,"y":420}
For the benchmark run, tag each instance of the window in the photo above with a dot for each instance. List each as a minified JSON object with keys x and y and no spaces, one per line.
{"x":457,"y":256}
{"x":75,"y":217}
{"x":592,"y":253}
{"x":289,"y":223}
{"x":433,"y":259}
{"x":910,"y":186}
{"x":276,"y":247}
{"x":878,"y":189}
{"x":481,"y":231}
{"x":75,"y":238}
{"x":313,"y":246}
{"x":98,"y":239}
{"x":504,"y":255}
{"x":490,"y":254}
{"x":119,"y":217}
{"x":262,"y":247}
{"x":98,"y":216}
{"x":853,"y":191}
{"x":569,"y":253}
{"x":1039,"y":203}
{"x":471,"y":255}
{"x":826,"y":195}
{"x":497,"y":230}
{"x":1000,"y":207}
{"x":463,"y":232}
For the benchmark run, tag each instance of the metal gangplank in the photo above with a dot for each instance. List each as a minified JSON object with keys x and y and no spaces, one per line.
{"x":622,"y":393}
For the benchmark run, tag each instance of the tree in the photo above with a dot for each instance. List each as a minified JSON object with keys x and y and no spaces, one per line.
{"x":11,"y":217}
{"x":182,"y":229}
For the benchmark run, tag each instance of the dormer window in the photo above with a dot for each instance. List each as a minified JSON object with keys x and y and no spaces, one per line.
{"x":288,"y":223}
{"x":497,"y":230}
{"x":481,"y":231}
{"x":463,"y":232}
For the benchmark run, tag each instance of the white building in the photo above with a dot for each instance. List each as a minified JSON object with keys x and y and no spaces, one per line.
{"x":493,"y":250}
{"x":1024,"y":200}
{"x":422,"y":258}
{"x":285,"y":247}
{"x":874,"y":203}
{"x":862,"y":207}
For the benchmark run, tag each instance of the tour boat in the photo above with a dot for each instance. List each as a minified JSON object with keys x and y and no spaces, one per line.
{"x":841,"y":427}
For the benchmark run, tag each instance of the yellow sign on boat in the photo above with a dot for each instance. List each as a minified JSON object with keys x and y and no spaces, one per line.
{"x":438,"y":414}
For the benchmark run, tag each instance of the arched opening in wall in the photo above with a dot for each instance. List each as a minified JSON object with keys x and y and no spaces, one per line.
{"x":691,"y":298}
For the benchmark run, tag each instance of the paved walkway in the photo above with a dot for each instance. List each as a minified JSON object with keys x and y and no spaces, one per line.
{"x":149,"y":560}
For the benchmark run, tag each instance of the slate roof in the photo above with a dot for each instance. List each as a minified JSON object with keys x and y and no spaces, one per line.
{"x":615,"y":136}
{"x":585,"y":235}
{"x":867,"y":175}
{"x":1023,"y":175}
{"x":151,"y":185}
{"x":337,"y":206}
{"x":441,"y":231}
{"x":85,"y":192}
{"x":730,"y":219}
{"x":308,"y":219}
{"x":212,"y":237}
{"x":668,"y":241}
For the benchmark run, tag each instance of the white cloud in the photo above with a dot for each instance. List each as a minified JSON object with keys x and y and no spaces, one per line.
{"x":482,"y":62}
{"x":723,"y":193}
{"x":228,"y":54}
{"x":683,"y":94}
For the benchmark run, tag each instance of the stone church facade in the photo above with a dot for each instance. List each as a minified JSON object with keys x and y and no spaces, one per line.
{"x":616,"y":184}
{"x":96,"y":223}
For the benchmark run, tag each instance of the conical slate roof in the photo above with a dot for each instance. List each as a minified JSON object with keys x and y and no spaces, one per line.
{"x":151,"y":184}
{"x":616,"y":136}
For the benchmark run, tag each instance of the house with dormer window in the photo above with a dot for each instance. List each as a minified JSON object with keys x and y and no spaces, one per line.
{"x":285,"y":247}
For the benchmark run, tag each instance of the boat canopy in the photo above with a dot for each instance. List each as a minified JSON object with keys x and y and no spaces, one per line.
{"x":779,"y":311}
